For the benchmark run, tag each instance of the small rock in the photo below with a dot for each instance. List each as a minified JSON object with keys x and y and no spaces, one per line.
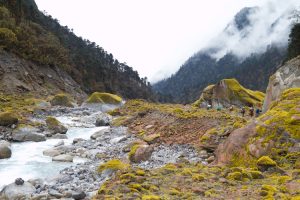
{"x":78,"y":195}
{"x":100,"y":133}
{"x":60,"y":143}
{"x":5,"y":151}
{"x":55,"y":194}
{"x":210,"y":159}
{"x":59,"y":136}
{"x":102,"y":122}
{"x":76,"y":140}
{"x":63,"y":158}
{"x":19,"y":181}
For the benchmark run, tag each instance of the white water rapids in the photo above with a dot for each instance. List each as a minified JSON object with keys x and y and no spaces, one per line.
{"x":28,"y":162}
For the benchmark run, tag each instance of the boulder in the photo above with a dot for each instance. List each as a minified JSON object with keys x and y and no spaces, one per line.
{"x":140,"y":152}
{"x":61,"y":100}
{"x":27,"y":133}
{"x":8,"y":119}
{"x":63,"y":158}
{"x":287,"y":76}
{"x":78,"y":195}
{"x":59,"y":136}
{"x":102,"y":122}
{"x":52,"y":152}
{"x":55,"y":126}
{"x":104,"y":98}
{"x":229,"y":92}
{"x":100,"y":133}
{"x":16,"y":192}
{"x":5,"y":150}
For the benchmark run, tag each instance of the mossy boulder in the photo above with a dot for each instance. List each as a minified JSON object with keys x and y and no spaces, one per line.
{"x":61,"y":100}
{"x":55,"y":126}
{"x":113,"y":165}
{"x":265,"y":162}
{"x":8,"y":119}
{"x":229,"y":92}
{"x":140,"y":152}
{"x":104,"y":98}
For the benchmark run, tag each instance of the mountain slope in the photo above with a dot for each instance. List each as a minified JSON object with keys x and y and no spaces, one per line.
{"x":248,"y":49}
{"x":39,"y":38}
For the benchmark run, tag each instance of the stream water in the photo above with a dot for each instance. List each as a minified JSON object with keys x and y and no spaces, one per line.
{"x":28,"y":162}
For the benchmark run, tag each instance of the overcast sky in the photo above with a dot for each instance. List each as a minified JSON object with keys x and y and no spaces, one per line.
{"x":155,"y":37}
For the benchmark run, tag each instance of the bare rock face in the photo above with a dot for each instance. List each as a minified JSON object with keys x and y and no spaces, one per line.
{"x":287,"y":76}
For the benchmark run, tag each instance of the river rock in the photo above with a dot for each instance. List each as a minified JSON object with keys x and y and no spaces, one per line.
{"x":63,"y":158}
{"x":8,"y":119}
{"x":52,"y":152}
{"x":78,"y":195}
{"x":19,"y":181}
{"x":100,"y":133}
{"x":55,"y":194}
{"x":59,"y":136}
{"x":60,"y":143}
{"x":5,"y":151}
{"x":55,"y":126}
{"x":27,"y":133}
{"x":102,"y":122}
{"x":76,"y":140}
{"x":16,"y":192}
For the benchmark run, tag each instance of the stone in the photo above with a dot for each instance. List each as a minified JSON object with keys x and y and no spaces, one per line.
{"x":63,"y":158}
{"x":55,"y":126}
{"x":100,"y":133}
{"x":55,"y":194}
{"x":76,"y":140}
{"x":15,"y":192}
{"x":8,"y":119}
{"x":140,"y":152}
{"x":78,"y":195}
{"x":287,"y":76}
{"x":5,"y":151}
{"x":52,"y":152}
{"x":102,"y":122}
{"x":60,"y":143}
{"x":59,"y":136}
{"x":27,"y":133}
{"x":210,"y":159}
{"x":19,"y":181}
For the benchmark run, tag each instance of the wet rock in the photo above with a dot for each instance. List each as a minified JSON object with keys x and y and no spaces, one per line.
{"x":16,"y":192}
{"x":63,"y":158}
{"x":76,"y":140}
{"x":203,"y":154}
{"x":60,"y":143}
{"x":55,"y":194}
{"x":5,"y":151}
{"x":27,"y":133}
{"x":102,"y":122}
{"x":210,"y":159}
{"x":19,"y":181}
{"x":59,"y":136}
{"x":55,"y":126}
{"x":100,"y":133}
{"x":78,"y":195}
{"x":52,"y":152}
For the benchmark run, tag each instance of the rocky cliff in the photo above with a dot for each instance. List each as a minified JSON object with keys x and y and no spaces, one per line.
{"x":287,"y":76}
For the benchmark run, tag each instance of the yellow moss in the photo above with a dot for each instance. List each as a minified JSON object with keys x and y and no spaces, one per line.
{"x":132,"y":151}
{"x":150,"y":197}
{"x":266,"y":161}
{"x":135,"y":186}
{"x":174,"y":191}
{"x":8,"y":118}
{"x":198,"y":177}
{"x":61,"y":100}
{"x":235,"y":176}
{"x":210,"y":193}
{"x":256,"y":174}
{"x":113,"y":165}
{"x":151,"y":138}
{"x":140,"y":172}
{"x":106,"y":98}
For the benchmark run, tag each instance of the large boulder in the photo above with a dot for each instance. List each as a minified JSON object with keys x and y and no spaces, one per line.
{"x":27,"y":133}
{"x":5,"y":151}
{"x":229,"y":92}
{"x":287,"y":76}
{"x":140,"y":152}
{"x":104,"y":98}
{"x":55,"y":126}
{"x":61,"y":100}
{"x":8,"y":119}
{"x":100,"y":133}
{"x":17,"y":192}
{"x":275,"y":134}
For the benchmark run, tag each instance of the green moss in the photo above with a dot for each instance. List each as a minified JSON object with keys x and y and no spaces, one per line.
{"x":198,"y":177}
{"x":8,"y":119}
{"x":140,"y":172}
{"x":52,"y":122}
{"x":61,"y":100}
{"x":113,"y":165}
{"x":266,"y":161}
{"x":135,"y":186}
{"x":174,"y":192}
{"x":106,"y":98}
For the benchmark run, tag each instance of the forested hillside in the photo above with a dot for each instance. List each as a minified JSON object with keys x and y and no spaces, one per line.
{"x":228,"y":56}
{"x":34,"y":36}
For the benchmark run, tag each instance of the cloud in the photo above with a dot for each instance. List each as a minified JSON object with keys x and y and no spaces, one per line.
{"x":254,"y":29}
